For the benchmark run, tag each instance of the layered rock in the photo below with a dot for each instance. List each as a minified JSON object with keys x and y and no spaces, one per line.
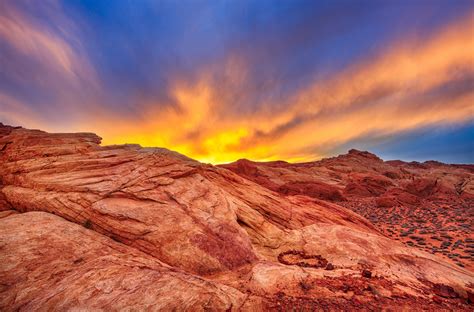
{"x":427,"y":205}
{"x":240,"y":245}
{"x":48,"y":263}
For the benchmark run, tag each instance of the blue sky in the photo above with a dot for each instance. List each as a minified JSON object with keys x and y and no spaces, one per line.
{"x":221,"y":80}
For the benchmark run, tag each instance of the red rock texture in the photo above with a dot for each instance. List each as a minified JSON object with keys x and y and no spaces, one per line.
{"x":49,"y":263}
{"x":427,"y":205}
{"x":89,"y":227}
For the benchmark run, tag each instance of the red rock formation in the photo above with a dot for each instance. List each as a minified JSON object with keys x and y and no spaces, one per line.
{"x":119,"y":227}
{"x":427,"y":205}
{"x":48,"y":263}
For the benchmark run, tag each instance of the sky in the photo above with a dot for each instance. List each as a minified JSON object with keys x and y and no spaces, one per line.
{"x":263,"y":80}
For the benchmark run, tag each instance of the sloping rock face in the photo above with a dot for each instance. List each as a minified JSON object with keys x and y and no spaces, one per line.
{"x":48,"y":263}
{"x":84,"y":226}
{"x":427,"y":205}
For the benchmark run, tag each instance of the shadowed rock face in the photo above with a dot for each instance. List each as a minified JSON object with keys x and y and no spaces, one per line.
{"x":85,"y":226}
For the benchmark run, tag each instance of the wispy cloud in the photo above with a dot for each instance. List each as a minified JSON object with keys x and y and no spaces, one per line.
{"x":37,"y":41}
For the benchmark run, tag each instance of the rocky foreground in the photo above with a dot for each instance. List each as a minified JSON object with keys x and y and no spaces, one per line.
{"x":90,"y":227}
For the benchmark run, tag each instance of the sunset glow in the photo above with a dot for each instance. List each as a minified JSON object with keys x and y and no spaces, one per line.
{"x":228,"y":99}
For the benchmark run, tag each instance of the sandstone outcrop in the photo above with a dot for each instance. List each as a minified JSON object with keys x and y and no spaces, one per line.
{"x":87,"y":226}
{"x":427,"y":205}
{"x":49,"y":263}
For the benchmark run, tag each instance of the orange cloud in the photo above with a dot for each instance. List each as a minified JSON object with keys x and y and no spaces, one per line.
{"x":407,"y":67}
{"x":388,"y":94}
{"x":381,"y":96}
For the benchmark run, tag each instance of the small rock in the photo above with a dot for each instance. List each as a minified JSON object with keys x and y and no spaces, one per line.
{"x":366,"y":273}
{"x":470,"y":297}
